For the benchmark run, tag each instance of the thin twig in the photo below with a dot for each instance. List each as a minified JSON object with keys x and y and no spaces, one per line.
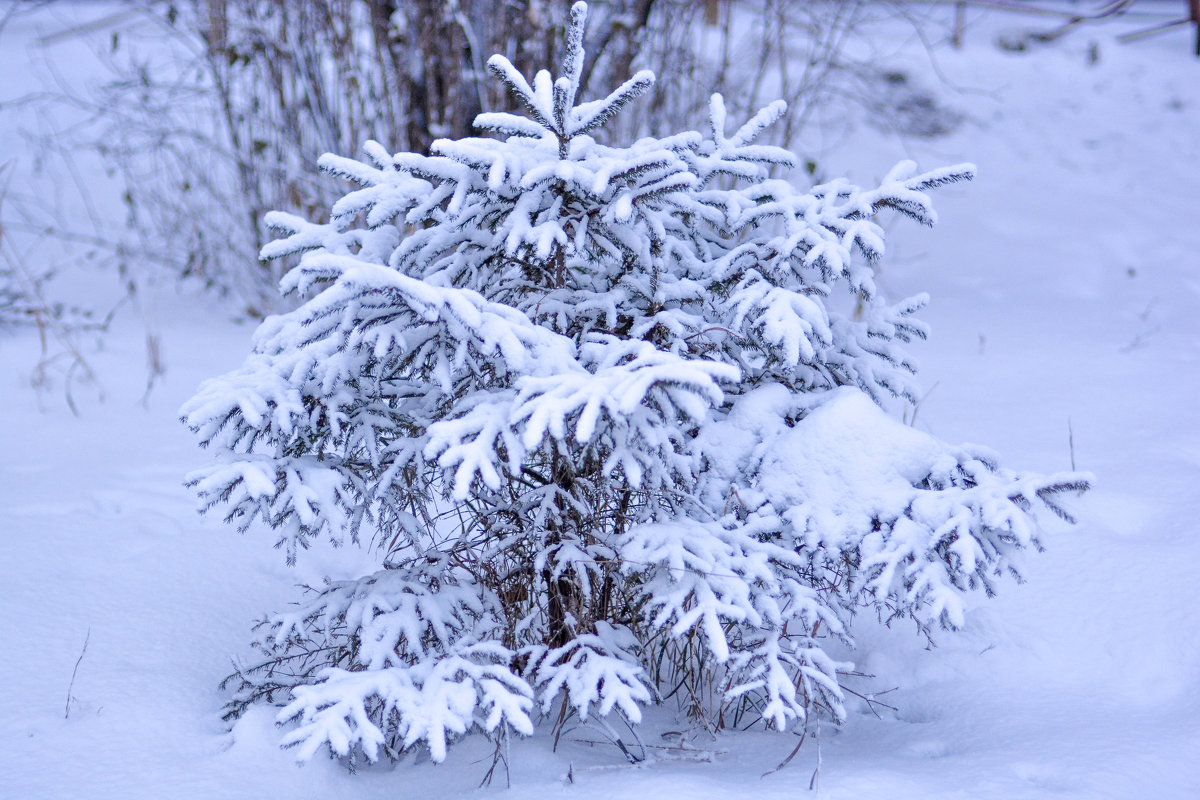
{"x":1111,"y":9}
{"x":787,"y":760}
{"x":815,"y":783}
{"x":871,"y":699}
{"x":71,"y":686}
{"x":912,"y":423}
{"x":1071,"y":442}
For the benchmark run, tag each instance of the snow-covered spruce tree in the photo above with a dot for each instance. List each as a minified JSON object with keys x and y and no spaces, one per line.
{"x":594,"y":413}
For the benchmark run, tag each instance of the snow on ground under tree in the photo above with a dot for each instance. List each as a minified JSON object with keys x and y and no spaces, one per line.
{"x":1065,"y":285}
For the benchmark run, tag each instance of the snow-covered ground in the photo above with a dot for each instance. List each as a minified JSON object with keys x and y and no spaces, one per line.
{"x":1066,"y":329}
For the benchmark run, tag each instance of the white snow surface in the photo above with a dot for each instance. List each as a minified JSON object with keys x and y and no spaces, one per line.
{"x":1065,"y":315}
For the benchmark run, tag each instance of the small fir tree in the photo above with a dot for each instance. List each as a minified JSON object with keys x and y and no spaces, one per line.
{"x":591,"y":408}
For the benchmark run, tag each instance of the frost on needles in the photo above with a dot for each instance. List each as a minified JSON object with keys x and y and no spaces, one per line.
{"x":590,"y":407}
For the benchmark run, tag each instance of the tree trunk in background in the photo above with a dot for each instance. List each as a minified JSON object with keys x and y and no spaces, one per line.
{"x":1194,"y":8}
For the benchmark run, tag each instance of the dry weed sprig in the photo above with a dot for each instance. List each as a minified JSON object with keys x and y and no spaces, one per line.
{"x":33,"y":305}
